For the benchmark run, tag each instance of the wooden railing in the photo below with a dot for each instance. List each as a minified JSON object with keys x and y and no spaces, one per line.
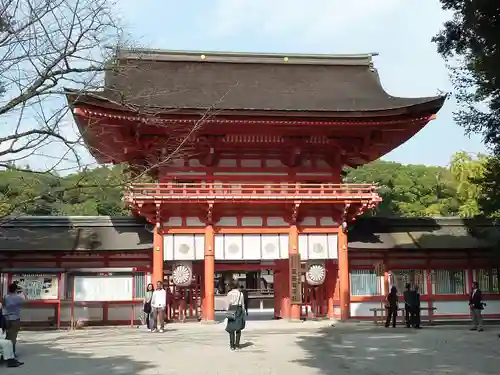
{"x":239,"y":191}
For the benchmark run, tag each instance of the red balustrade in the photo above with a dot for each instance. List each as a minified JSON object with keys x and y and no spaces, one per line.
{"x":220,"y":191}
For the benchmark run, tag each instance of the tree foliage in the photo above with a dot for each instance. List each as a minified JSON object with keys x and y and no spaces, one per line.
{"x":469,"y":43}
{"x":407,"y":190}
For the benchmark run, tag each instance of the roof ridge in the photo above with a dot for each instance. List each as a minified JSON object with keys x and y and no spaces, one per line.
{"x":360,"y":59}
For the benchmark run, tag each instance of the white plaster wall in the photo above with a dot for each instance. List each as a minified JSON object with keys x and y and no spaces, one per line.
{"x":451,"y":307}
{"x":174,"y":221}
{"x":227,"y":163}
{"x":250,"y":163}
{"x":327,"y":222}
{"x":38,"y":314}
{"x":124,"y":312}
{"x":274,"y":163}
{"x":308,"y":221}
{"x":363,"y":308}
{"x":227,"y":221}
{"x":194,"y":163}
{"x":194,"y":222}
{"x":82,"y":313}
{"x":252,"y":221}
{"x":276,"y":222}
{"x":492,"y":307}
{"x":186,"y":174}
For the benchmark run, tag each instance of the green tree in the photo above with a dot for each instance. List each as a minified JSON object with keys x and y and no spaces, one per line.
{"x":469,"y":43}
{"x":409,"y":190}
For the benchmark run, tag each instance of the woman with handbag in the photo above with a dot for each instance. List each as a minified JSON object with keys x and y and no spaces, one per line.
{"x":235,"y":315}
{"x":146,"y":308}
{"x":391,"y":307}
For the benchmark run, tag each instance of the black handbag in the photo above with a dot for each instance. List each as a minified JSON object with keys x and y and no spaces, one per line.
{"x":147,"y":307}
{"x":234,"y":311}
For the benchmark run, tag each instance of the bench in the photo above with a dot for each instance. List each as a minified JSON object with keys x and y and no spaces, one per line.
{"x":381,"y":319}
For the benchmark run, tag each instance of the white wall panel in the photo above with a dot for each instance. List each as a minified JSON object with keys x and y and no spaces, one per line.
{"x":318,"y":246}
{"x":183,"y":246}
{"x":251,"y":246}
{"x":333,"y":249}
{"x":270,"y":245}
{"x":284,"y":246}
{"x":233,"y":247}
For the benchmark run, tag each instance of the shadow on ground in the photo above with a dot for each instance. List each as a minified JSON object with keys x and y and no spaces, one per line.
{"x":48,"y":358}
{"x":382,"y":351}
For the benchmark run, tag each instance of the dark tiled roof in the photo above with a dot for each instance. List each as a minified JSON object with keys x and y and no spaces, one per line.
{"x":74,"y":233}
{"x":231,"y":81}
{"x":423,"y":233}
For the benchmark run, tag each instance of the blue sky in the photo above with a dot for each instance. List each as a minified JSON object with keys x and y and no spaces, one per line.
{"x":399,"y":30}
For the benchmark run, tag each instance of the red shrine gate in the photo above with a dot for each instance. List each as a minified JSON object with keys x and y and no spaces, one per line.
{"x":259,"y":181}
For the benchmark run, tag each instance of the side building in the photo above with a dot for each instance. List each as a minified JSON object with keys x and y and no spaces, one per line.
{"x":96,"y":269}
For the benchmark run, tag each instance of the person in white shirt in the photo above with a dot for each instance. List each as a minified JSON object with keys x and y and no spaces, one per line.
{"x":158,"y":304}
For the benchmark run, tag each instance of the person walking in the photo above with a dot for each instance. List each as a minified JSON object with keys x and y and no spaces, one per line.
{"x":146,"y":308}
{"x":392,"y":307}
{"x":235,"y":315}
{"x":158,"y":305}
{"x":476,"y":307}
{"x":11,"y":310}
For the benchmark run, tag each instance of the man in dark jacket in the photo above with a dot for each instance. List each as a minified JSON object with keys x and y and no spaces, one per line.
{"x":408,"y":296}
{"x":476,"y":307}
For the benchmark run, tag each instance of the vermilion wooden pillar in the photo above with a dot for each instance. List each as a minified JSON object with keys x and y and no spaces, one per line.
{"x":284,"y":289}
{"x":157,"y":254}
{"x":208,"y":277}
{"x":293,"y":249}
{"x":331,"y":280}
{"x":345,"y":295}
{"x":278,"y":277}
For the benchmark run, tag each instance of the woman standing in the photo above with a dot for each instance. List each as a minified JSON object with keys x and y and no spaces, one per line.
{"x":235,"y":315}
{"x":392,"y":307}
{"x":146,"y":308}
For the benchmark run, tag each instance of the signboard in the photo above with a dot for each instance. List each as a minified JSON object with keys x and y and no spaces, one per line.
{"x":295,"y":279}
{"x":38,"y":287}
{"x":103,"y":288}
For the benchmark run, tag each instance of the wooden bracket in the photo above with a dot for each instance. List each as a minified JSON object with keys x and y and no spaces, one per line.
{"x":210,"y":211}
{"x":295,"y":213}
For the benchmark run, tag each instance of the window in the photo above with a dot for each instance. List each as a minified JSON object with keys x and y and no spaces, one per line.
{"x":400,"y":278}
{"x":448,"y":281}
{"x":489,"y":280}
{"x":365,"y":283}
{"x":140,"y":285}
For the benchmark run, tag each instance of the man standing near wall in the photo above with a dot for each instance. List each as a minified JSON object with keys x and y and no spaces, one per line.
{"x":476,"y":307}
{"x":158,"y":305}
{"x":408,"y":296}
